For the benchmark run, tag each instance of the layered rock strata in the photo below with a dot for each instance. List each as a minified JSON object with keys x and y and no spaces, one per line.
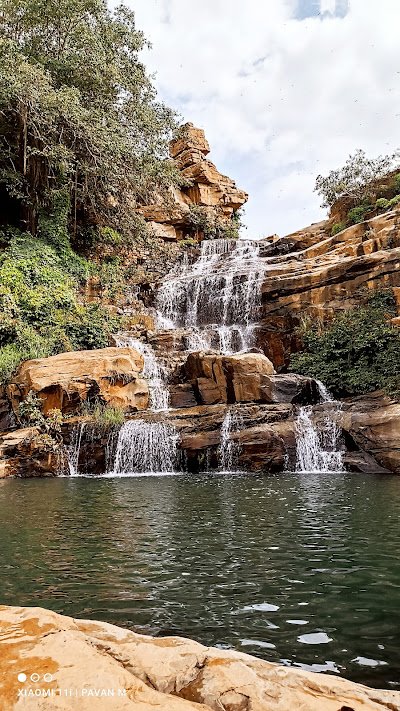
{"x":205,"y":187}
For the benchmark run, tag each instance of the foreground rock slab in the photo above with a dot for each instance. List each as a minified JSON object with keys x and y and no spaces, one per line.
{"x":89,"y":665}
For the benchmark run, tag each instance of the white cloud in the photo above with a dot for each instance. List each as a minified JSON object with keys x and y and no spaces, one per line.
{"x":281,"y":99}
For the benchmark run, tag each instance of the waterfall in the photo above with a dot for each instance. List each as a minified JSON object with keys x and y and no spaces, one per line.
{"x":229,"y":449}
{"x":318,"y":446}
{"x":216,"y":296}
{"x":153,"y":371}
{"x":146,"y":447}
{"x":142,"y":446}
{"x":74,"y":448}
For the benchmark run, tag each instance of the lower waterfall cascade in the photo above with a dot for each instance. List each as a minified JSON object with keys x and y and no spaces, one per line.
{"x":229,"y":449}
{"x":318,"y":445}
{"x":74,"y":449}
{"x":145,"y":447}
{"x":153,"y":371}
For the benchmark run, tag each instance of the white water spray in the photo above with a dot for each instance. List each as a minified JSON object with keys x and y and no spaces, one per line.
{"x":153,"y":371}
{"x":216,"y":297}
{"x":229,"y":449}
{"x":318,"y":445}
{"x":146,"y":447}
{"x":73,"y":451}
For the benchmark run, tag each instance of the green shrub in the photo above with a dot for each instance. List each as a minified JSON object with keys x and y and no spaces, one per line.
{"x":30,"y":411}
{"x":394,"y":202}
{"x":382,"y":204}
{"x":39,"y":310}
{"x":10,"y":358}
{"x":357,"y":353}
{"x":106,"y":235}
{"x":396,"y":182}
{"x":212,"y":225}
{"x":103,"y":416}
{"x":357,"y":214}
{"x":338,"y":227}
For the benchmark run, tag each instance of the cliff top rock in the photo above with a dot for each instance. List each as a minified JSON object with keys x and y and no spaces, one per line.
{"x":207,"y":188}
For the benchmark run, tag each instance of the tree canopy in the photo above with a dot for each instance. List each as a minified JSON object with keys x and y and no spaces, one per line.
{"x":78,"y":110}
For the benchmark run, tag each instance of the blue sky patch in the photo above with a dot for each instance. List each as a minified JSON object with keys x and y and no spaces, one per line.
{"x":321,"y":8}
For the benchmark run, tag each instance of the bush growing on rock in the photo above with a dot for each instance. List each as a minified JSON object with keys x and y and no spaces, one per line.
{"x":352,"y":180}
{"x":40,"y":314}
{"x":338,"y":227}
{"x":357,"y":353}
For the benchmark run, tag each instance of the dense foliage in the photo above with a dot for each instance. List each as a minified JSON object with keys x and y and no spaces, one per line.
{"x":77,"y":110}
{"x":357,"y":353}
{"x":83,"y":139}
{"x":40,"y":313}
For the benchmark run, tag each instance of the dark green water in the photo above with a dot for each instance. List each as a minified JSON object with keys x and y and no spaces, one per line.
{"x":299,"y":568}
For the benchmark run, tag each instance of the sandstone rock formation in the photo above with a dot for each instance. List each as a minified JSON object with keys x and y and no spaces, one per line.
{"x":67,"y":380}
{"x":373,"y":422}
{"x":244,"y":377}
{"x":206,"y":188}
{"x":111,"y":668}
{"x":314,"y":273}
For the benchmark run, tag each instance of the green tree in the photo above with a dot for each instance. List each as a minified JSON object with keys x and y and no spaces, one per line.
{"x":353,"y":178}
{"x":77,"y":109}
{"x":357,"y":353}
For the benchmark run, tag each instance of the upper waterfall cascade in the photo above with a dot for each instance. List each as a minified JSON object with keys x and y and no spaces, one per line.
{"x":216,"y":297}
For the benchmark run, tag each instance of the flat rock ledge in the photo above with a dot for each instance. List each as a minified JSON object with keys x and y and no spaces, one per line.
{"x":86,"y":665}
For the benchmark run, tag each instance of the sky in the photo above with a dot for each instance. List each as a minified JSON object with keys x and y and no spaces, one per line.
{"x":284,"y":89}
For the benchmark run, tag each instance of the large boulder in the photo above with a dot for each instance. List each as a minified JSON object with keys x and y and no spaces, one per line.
{"x":108,"y":668}
{"x":237,"y":378}
{"x":244,"y":377}
{"x":67,"y":380}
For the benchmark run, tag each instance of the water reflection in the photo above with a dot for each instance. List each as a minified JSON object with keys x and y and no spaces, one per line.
{"x":302,"y":569}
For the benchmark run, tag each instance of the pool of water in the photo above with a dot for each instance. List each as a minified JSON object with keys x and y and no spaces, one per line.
{"x":302,"y":569}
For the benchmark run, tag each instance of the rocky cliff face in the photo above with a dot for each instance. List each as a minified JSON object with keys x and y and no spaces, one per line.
{"x":311,"y":272}
{"x":111,"y":668}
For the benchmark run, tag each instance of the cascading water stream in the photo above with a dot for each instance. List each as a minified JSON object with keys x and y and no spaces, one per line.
{"x":74,"y":449}
{"x":153,"y":371}
{"x":145,"y":446}
{"x":318,"y":444}
{"x":229,"y":448}
{"x":216,"y":297}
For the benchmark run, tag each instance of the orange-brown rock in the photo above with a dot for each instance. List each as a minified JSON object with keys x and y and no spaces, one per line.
{"x":312,"y":273}
{"x":373,"y":421}
{"x":206,"y":187}
{"x":28,"y":453}
{"x":67,"y":380}
{"x":145,"y":673}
